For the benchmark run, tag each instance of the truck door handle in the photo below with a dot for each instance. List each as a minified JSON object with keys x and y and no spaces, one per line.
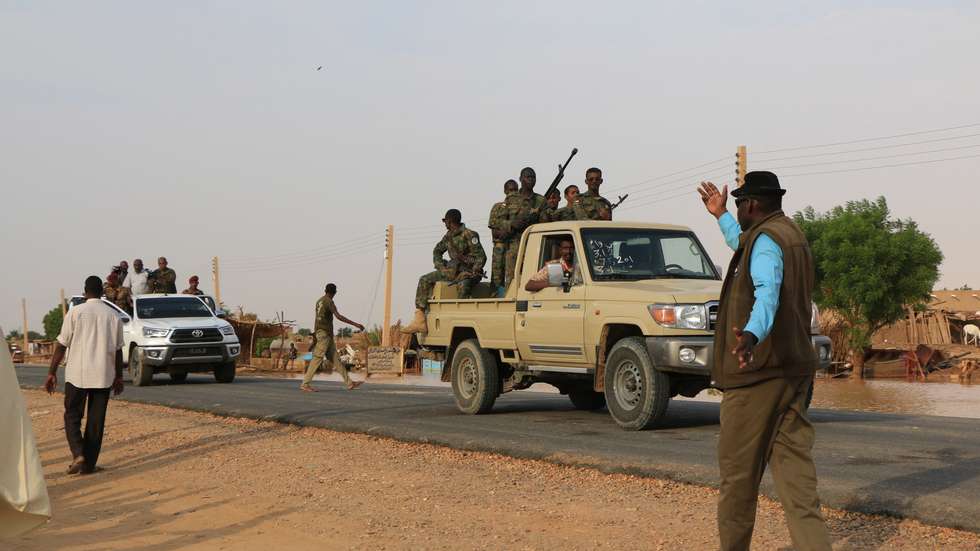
{"x":535,"y":305}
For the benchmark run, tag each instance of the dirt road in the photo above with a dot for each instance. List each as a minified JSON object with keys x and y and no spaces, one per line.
{"x":173,"y":479}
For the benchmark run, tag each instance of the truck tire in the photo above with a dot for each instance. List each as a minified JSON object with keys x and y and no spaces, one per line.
{"x":637,"y":393}
{"x":475,"y":378}
{"x":142,"y":373}
{"x":586,"y":399}
{"x":225,"y":373}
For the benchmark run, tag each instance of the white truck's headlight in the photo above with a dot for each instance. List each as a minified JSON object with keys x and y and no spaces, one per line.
{"x":815,"y":320}
{"x":154,"y":332}
{"x":680,"y":316}
{"x":227,"y":330}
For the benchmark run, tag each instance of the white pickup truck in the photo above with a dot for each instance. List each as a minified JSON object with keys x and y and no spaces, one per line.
{"x":176,"y":334}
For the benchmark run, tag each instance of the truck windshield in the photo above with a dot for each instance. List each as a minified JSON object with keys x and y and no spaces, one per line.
{"x":171,"y":307}
{"x":626,"y":253}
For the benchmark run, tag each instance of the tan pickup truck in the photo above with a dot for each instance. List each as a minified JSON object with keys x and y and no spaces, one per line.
{"x":630,"y":328}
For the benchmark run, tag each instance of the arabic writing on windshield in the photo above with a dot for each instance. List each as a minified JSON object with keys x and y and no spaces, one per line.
{"x":645,"y":254}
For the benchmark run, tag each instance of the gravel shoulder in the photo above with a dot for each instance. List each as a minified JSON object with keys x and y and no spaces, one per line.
{"x":175,"y":479}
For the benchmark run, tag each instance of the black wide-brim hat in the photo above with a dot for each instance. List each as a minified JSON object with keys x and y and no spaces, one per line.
{"x":759,"y":182}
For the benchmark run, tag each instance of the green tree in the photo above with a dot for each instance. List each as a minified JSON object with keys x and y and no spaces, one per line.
{"x":869,"y":267}
{"x":52,"y":323}
{"x":32,"y":335}
{"x":304,"y":332}
{"x":345,"y":332}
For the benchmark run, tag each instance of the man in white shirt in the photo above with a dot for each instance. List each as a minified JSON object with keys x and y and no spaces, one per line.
{"x":136,"y":280}
{"x":92,"y":335}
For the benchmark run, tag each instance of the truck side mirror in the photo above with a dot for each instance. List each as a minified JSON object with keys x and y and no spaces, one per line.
{"x":220,"y":313}
{"x":719,"y":270}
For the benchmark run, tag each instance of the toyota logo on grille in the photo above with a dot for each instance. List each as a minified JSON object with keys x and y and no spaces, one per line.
{"x":197,"y":333}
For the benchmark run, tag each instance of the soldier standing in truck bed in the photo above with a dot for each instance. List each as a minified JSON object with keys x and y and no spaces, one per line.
{"x":523,"y":209}
{"x":500,"y":230}
{"x":465,"y":266}
{"x":590,"y":205}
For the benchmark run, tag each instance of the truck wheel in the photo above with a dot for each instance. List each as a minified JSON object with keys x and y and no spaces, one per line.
{"x":587,"y":399}
{"x":142,"y":373}
{"x":178,"y":376}
{"x":636,"y":393}
{"x":225,"y":373}
{"x":476,"y":382}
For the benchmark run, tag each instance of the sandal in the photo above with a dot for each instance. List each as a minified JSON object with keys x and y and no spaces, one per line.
{"x":354,"y":384}
{"x":307,"y":388}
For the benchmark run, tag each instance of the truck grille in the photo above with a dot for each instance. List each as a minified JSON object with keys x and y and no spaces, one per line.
{"x":712,"y":315}
{"x":190,"y":352}
{"x":188,"y":335}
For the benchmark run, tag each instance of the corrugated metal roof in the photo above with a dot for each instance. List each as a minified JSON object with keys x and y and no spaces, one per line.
{"x":956,"y":301}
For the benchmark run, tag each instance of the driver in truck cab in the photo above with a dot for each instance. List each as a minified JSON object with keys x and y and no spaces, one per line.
{"x":566,"y":258}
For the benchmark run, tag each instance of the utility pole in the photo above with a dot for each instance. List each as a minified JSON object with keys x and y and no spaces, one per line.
{"x":216,"y":279}
{"x":741,"y":163}
{"x":64,"y":307}
{"x":23,"y":309}
{"x":389,"y":259}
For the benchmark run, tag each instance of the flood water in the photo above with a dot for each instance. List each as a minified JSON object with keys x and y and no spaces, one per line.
{"x":876,"y":395}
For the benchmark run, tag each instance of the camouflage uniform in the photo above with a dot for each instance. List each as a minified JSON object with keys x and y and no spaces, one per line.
{"x":522,"y":211}
{"x":466,"y":256}
{"x":188,"y":291}
{"x":557,"y":215}
{"x":499,"y":226}
{"x":164,"y":281}
{"x":592,"y":207}
{"x":325,"y":350}
{"x":120,"y":296}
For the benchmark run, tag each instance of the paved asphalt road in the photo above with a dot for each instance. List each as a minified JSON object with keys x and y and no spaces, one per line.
{"x":921,"y":467}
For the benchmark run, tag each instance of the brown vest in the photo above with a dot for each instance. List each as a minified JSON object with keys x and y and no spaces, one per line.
{"x":787,"y":351}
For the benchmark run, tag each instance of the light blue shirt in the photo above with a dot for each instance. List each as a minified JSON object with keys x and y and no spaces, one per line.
{"x":766,"y":268}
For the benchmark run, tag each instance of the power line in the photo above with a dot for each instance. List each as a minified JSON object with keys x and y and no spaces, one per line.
{"x":668,"y":175}
{"x":816,"y":146}
{"x":294,"y":254}
{"x":293,"y":264}
{"x":886,"y":166}
{"x":299,"y":260}
{"x":374,"y":295}
{"x":876,"y":148}
{"x":878,"y":157}
{"x":686,"y":181}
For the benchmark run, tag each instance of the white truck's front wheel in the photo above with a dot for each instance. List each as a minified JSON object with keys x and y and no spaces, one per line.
{"x":637,"y":393}
{"x":476,"y":381}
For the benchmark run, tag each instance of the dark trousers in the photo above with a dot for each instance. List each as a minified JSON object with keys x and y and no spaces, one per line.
{"x":766,"y":424}
{"x":89,"y":444}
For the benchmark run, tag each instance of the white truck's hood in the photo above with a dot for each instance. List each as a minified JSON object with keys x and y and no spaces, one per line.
{"x":184,"y":323}
{"x":657,"y":290}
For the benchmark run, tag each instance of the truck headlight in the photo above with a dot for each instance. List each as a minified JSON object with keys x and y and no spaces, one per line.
{"x":154,"y":332}
{"x":680,"y":316}
{"x":814,"y":319}
{"x":227,"y":330}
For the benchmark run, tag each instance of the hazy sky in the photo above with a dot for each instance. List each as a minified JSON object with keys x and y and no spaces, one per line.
{"x":195,"y":129}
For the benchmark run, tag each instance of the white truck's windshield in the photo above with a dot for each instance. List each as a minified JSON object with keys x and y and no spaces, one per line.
{"x":171,"y":307}
{"x":633,"y":254}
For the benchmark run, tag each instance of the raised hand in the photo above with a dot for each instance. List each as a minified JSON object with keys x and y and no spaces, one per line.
{"x":715,"y":201}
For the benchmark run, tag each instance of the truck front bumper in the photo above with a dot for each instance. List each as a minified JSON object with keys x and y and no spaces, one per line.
{"x":194,"y":357}
{"x":695,"y":355}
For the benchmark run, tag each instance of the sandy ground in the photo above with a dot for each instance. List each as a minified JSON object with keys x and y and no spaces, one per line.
{"x":172,"y":479}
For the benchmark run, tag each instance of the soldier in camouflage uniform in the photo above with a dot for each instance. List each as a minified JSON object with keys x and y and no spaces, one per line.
{"x":325,"y":349}
{"x":550,"y":211}
{"x":465,"y":266}
{"x":523,"y":209}
{"x":500,"y":230}
{"x":164,"y":279}
{"x":116,"y":293}
{"x":591,"y":205}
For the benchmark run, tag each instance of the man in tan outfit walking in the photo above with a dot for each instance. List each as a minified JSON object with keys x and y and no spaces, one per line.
{"x":326,"y":348}
{"x":764,"y":362}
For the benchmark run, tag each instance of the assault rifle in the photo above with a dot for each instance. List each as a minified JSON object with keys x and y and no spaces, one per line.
{"x":561,"y":173}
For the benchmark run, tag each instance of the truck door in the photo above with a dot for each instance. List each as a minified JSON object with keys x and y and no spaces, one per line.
{"x":552,"y":327}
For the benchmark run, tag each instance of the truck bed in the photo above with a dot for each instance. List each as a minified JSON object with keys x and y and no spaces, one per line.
{"x":493,"y":318}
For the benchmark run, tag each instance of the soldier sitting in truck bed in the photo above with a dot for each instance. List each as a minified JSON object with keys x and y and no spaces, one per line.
{"x":465,"y":266}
